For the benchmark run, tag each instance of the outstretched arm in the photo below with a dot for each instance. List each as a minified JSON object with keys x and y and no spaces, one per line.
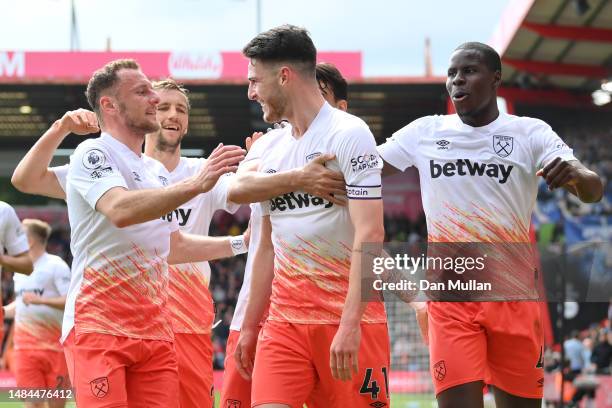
{"x":314,"y":178}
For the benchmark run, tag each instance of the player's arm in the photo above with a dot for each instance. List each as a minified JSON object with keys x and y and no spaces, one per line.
{"x":198,"y":248}
{"x":259,"y":298}
{"x":574,"y":177}
{"x":129,"y":207}
{"x":33,"y":175}
{"x":18,"y":263}
{"x":57,"y":302}
{"x":367,"y":219}
{"x":9,"y":310}
{"x":314,"y":178}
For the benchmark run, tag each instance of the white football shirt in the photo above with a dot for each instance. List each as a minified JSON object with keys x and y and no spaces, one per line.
{"x":119,"y":282}
{"x":39,"y":326}
{"x":190,"y":303}
{"x":312,"y":237}
{"x":13,"y":239}
{"x":267,"y":141}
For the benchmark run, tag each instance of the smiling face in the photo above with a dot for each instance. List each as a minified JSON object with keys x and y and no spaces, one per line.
{"x":472,"y":85}
{"x":265,"y":88}
{"x":173,"y":119}
{"x":137,"y":101}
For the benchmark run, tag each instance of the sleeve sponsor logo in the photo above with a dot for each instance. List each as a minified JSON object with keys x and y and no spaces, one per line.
{"x":94,"y":159}
{"x":97,"y":174}
{"x":364,"y":192}
{"x":365,"y":162}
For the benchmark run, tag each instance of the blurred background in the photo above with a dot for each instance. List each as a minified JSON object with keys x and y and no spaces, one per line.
{"x":557,"y":66}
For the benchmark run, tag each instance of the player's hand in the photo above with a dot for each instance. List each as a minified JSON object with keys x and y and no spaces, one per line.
{"x":319,"y":181}
{"x":344,"y":352}
{"x":245,"y":352}
{"x":224,"y":159}
{"x":559,"y":173}
{"x":30,"y":298}
{"x":79,"y":122}
{"x":420,"y":309}
{"x":248,"y":142}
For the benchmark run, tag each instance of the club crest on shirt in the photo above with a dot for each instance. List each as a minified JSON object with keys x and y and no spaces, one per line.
{"x":503,"y":145}
{"x":94,"y":159}
{"x":163,"y":180}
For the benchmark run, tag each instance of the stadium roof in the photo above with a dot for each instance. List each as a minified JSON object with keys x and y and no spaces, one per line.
{"x":562,"y":44}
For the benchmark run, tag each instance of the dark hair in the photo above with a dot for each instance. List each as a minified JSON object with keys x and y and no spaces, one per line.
{"x":329,"y":77}
{"x":170,"y":84}
{"x":286,"y":43}
{"x":105,"y":78}
{"x":489,"y":55}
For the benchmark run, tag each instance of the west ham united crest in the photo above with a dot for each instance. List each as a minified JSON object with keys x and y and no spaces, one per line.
{"x":439,"y":370}
{"x":503,"y":145}
{"x":99,"y":387}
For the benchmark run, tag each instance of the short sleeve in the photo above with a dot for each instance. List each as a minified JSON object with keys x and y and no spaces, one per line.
{"x":399,"y":150}
{"x":547,"y":145}
{"x":61,"y":278}
{"x":14,"y":237}
{"x":360,"y":163}
{"x":220,"y":194}
{"x":61,"y":173}
{"x":92,"y":172}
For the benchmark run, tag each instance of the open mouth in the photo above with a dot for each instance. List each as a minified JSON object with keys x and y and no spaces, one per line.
{"x":459,"y":96}
{"x":171,"y":128}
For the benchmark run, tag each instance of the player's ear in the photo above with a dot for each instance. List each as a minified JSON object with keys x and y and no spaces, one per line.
{"x":342,"y":105}
{"x":107,"y":104}
{"x":497,"y":79}
{"x":283,"y":75}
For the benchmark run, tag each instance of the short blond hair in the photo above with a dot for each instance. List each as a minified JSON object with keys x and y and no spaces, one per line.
{"x":38,"y":229}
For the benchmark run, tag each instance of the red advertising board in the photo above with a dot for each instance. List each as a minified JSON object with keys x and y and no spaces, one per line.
{"x":187,"y":66}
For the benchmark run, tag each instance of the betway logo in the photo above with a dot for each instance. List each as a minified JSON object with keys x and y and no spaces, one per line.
{"x":465,"y":167}
{"x":12,"y":64}
{"x":292,"y":201}
{"x":181,"y":214}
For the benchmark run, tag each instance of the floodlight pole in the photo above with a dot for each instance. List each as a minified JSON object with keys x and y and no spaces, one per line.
{"x":258,"y":16}
{"x":74,"y":32}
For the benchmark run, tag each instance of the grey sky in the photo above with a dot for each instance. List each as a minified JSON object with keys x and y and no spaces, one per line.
{"x":390,"y":33}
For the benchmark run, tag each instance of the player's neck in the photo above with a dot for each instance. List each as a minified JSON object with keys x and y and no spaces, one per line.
{"x":132,"y":139}
{"x":169,"y":158}
{"x":482,"y":118}
{"x":36,"y":252}
{"x":303,"y":111}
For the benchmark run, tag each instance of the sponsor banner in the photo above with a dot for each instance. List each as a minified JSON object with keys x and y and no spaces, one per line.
{"x":77,"y":67}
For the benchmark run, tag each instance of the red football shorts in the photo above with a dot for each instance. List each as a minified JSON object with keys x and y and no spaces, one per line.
{"x":236,"y":391}
{"x":113,"y":371}
{"x":41,"y":369}
{"x":499,"y":343}
{"x":194,"y":353}
{"x":292,"y":367}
